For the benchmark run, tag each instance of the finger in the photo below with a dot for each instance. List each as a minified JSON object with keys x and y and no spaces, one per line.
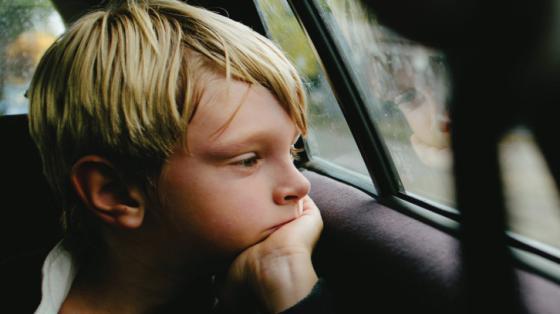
{"x":309,"y":204}
{"x":310,"y":209}
{"x":300,"y":208}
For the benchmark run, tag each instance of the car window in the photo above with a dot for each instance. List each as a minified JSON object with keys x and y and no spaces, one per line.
{"x":329,"y":138}
{"x":406,"y":88}
{"x":27,"y":29}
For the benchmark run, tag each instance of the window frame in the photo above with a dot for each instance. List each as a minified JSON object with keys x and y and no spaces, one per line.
{"x":388,"y":188}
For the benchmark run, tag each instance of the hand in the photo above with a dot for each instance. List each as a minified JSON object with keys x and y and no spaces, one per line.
{"x":278,"y":271}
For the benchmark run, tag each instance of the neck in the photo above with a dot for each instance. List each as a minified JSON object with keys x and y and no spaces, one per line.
{"x":135,"y":279}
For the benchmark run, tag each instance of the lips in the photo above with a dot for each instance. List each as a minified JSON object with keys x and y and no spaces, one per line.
{"x":299,"y":212}
{"x":278,"y":226}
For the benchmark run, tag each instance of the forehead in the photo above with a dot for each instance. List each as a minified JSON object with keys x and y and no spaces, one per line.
{"x":231,"y":111}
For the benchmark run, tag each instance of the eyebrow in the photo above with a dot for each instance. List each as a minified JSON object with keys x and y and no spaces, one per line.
{"x":245,"y":143}
{"x":229,"y":149}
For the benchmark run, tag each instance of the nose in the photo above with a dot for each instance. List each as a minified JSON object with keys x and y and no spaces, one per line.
{"x":291,"y":187}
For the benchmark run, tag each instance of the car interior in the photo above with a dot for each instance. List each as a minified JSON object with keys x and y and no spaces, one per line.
{"x":384,"y":250}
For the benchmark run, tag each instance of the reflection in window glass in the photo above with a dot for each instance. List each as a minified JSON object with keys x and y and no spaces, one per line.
{"x":407,"y":87}
{"x":329,"y":136}
{"x":529,"y":189}
{"x":27,"y":29}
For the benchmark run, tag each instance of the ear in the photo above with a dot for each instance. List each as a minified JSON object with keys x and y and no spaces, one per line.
{"x":104,"y":191}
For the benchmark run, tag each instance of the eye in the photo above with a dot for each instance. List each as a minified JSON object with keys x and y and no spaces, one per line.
{"x":410,"y":98}
{"x":248,"y":161}
{"x":407,"y":96}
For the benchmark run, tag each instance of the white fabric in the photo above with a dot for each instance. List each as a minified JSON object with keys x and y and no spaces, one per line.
{"x":59,"y":272}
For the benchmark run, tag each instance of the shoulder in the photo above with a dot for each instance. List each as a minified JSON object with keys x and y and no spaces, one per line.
{"x":21,"y":280}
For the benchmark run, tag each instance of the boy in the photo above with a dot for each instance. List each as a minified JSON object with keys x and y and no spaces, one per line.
{"x":166,"y":130}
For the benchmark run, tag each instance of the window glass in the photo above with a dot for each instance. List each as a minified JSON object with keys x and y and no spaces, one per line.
{"x":27,"y":29}
{"x":329,"y":136}
{"x":406,"y":86}
{"x":530,"y":192}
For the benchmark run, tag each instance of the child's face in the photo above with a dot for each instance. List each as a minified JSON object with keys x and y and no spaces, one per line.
{"x":234,"y":188}
{"x":422,"y":101}
{"x":426,"y":119}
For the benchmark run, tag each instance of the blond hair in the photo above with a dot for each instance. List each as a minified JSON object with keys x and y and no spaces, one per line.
{"x":124,"y":81}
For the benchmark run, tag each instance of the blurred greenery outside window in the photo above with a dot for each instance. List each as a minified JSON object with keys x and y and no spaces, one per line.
{"x":329,"y":137}
{"x":27,"y":29}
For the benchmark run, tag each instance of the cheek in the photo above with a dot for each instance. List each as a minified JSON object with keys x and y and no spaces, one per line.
{"x":425,"y":126}
{"x":227,"y":226}
{"x":219,"y":217}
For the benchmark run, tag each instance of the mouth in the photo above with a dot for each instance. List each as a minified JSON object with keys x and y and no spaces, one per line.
{"x":298,"y":213}
{"x":280,"y":225}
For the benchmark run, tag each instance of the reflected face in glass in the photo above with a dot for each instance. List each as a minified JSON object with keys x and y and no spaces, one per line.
{"x":424,"y":114}
{"x":237,"y":182}
{"x":421,"y":98}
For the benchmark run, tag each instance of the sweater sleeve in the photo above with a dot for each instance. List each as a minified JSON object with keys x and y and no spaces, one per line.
{"x":318,"y":301}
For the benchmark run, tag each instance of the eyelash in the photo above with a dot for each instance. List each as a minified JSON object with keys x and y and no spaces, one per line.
{"x":254,"y":160}
{"x":410,"y":97}
{"x":248,"y":162}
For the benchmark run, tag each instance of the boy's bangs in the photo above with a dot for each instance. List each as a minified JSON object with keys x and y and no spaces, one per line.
{"x":238,"y":52}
